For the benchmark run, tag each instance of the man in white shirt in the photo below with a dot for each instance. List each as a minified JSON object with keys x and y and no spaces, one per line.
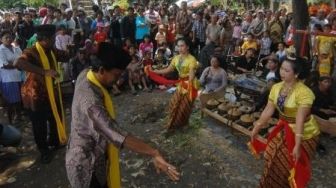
{"x":153,"y":19}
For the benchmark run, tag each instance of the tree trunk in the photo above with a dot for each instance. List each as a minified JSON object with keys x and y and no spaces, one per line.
{"x":301,"y":22}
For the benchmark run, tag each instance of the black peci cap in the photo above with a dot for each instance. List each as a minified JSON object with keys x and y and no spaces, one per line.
{"x":46,"y":30}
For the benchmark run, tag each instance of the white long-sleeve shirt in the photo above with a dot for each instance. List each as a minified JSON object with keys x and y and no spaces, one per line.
{"x":62,"y":41}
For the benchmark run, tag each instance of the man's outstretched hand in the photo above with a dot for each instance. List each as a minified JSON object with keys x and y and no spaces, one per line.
{"x":162,"y":166}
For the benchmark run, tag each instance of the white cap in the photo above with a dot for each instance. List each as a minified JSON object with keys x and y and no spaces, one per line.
{"x":110,"y":8}
{"x":68,"y":10}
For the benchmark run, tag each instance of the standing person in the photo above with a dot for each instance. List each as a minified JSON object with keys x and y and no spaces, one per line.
{"x":58,"y":20}
{"x":213,"y":31}
{"x":40,"y":96}
{"x":62,"y":42}
{"x":265,"y":45}
{"x":69,"y":21}
{"x":171,"y":32}
{"x":94,"y":132}
{"x":237,"y":32}
{"x":18,"y":29}
{"x":7,"y":23}
{"x":257,"y":26}
{"x":276,"y":31}
{"x":142,"y":27}
{"x":84,"y":23}
{"x":26,"y":30}
{"x":48,"y":16}
{"x":99,"y":19}
{"x":160,"y":36}
{"x":153,"y":18}
{"x":128,"y":26}
{"x":183,"y":21}
{"x":115,"y":34}
{"x":199,"y":29}
{"x":292,"y":143}
{"x":181,"y":104}
{"x":9,"y":75}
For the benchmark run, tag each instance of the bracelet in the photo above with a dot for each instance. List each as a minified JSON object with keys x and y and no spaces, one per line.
{"x":299,"y":135}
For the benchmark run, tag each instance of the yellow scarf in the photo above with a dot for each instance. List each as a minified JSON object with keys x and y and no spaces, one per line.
{"x":50,"y":89}
{"x":113,"y":174}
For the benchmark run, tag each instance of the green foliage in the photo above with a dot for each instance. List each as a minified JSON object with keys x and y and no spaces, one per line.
{"x":7,"y":4}
{"x":318,"y":1}
{"x":216,"y":2}
{"x":38,"y":3}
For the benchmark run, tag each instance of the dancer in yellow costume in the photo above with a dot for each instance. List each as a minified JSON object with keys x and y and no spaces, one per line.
{"x":181,"y":103}
{"x":292,"y":143}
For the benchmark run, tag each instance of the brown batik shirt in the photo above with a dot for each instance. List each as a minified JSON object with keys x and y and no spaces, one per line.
{"x":34,"y":91}
{"x":92,"y":129}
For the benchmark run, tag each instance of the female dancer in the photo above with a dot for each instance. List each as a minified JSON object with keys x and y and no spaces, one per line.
{"x":292,"y":142}
{"x":182,"y":101}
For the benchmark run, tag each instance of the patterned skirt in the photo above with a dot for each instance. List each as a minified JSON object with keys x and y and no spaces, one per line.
{"x":276,"y":170}
{"x":180,"y":108}
{"x":11,"y":92}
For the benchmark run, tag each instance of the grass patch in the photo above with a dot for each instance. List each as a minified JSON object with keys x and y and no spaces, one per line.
{"x":182,"y":137}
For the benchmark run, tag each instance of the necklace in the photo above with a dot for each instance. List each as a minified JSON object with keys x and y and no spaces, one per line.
{"x":286,"y":90}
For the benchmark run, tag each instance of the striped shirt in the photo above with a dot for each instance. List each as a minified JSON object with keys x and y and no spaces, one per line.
{"x":199,"y":28}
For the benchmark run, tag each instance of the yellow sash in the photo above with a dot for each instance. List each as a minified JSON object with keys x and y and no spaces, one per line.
{"x":113,"y":174}
{"x":49,"y":84}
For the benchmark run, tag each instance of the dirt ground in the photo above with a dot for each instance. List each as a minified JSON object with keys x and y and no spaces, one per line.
{"x":207,"y":153}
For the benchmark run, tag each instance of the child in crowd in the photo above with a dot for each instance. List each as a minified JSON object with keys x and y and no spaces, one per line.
{"x":146,"y":46}
{"x":236,"y":52}
{"x":167,"y":52}
{"x":160,"y":60}
{"x":249,"y":43}
{"x":62,"y":38}
{"x":160,"y":36}
{"x":171,"y":32}
{"x":281,"y":53}
{"x":127,"y":44}
{"x":147,"y":59}
{"x":237,"y":29}
{"x":62,"y":42}
{"x":90,"y":48}
{"x":100,"y":35}
{"x":265,"y":45}
{"x":133,"y":51}
{"x":136,"y":75}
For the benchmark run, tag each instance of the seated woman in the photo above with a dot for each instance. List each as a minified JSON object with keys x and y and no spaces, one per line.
{"x":322,"y":108}
{"x":322,"y":105}
{"x":246,"y":62}
{"x":214,"y":80}
{"x":272,"y":68}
